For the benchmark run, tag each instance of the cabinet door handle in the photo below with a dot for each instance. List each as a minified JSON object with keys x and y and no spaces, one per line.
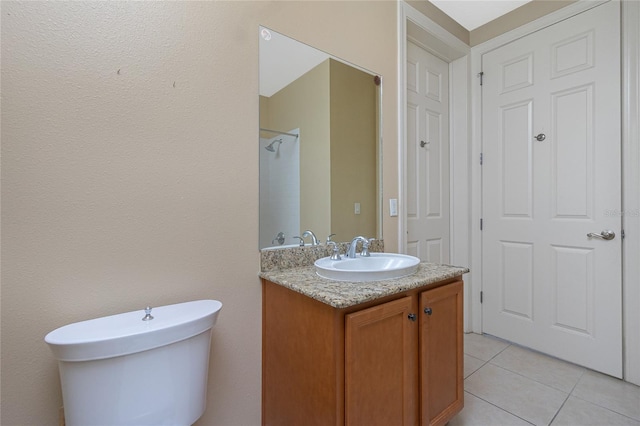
{"x":412,"y":317}
{"x":428,"y":311}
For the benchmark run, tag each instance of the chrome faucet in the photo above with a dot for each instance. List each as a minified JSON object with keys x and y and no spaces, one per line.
{"x":314,"y":240}
{"x":351,"y":252}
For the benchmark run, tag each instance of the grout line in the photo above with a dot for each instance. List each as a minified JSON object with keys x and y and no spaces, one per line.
{"x":552,"y":359}
{"x":606,"y":408}
{"x":578,"y":381}
{"x":499,"y":408}
{"x":560,"y":409}
{"x":568,"y":394}
{"x":531,"y":379}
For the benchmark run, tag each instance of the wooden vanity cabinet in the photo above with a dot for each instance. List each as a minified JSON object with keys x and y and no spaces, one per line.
{"x":441,"y":354}
{"x":380,"y":365}
{"x":393,"y":361}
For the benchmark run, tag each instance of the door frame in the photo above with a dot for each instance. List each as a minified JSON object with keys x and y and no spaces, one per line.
{"x":631,"y":190}
{"x":630,"y":177}
{"x":456,"y":53}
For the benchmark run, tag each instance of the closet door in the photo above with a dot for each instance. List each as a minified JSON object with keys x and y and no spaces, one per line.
{"x":552,"y":191}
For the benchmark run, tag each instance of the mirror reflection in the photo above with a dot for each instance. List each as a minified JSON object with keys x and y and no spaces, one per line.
{"x":319,"y":145}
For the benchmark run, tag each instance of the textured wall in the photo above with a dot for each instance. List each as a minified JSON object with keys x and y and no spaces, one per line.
{"x":129,"y":172}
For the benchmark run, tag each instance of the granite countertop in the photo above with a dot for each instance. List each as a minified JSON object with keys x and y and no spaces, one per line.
{"x":342,"y":294}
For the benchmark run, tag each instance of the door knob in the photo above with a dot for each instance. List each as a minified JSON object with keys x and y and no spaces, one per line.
{"x":540,"y":137}
{"x":423,"y":143}
{"x":605,"y":235}
{"x":412,"y":317}
{"x":428,"y":311}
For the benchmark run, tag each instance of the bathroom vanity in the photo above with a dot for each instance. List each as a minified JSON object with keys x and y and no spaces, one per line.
{"x":362,"y":353}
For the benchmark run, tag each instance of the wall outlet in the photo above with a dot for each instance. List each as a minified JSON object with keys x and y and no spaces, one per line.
{"x":356,"y":208}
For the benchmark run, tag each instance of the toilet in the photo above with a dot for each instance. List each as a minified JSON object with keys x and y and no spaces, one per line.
{"x":146,"y":367}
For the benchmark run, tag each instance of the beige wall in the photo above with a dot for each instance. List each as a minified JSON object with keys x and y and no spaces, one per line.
{"x":353,"y":152}
{"x":130,"y":172}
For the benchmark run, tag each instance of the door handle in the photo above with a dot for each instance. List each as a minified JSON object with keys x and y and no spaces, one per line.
{"x":605,"y":235}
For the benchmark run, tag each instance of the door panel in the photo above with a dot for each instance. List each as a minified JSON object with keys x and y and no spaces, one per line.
{"x":427,"y":150}
{"x":441,"y":351}
{"x":551,"y":172}
{"x":381,"y":340}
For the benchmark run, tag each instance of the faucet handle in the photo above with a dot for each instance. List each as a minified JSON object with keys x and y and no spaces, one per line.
{"x":279,"y":239}
{"x":329,"y":238}
{"x":301,"y":241}
{"x":336,"y":251}
{"x":148,"y":316}
{"x":365,"y":247}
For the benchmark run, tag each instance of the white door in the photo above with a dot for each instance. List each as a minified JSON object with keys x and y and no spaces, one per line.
{"x":551,"y":176}
{"x":427,"y":148}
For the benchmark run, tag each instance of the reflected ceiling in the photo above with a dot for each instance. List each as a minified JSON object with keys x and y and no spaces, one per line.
{"x":472,"y":14}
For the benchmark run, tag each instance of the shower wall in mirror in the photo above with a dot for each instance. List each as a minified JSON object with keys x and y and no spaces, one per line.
{"x":319,"y":145}
{"x":279,"y":188}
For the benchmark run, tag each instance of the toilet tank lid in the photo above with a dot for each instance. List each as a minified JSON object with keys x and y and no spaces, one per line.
{"x":126,"y":333}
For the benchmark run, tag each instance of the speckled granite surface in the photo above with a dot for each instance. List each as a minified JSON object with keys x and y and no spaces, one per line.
{"x":342,"y":294}
{"x":294,"y":257}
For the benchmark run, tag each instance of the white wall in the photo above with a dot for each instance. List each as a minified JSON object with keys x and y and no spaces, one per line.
{"x":280,"y":189}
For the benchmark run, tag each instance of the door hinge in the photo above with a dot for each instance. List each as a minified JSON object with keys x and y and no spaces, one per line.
{"x":622,"y":234}
{"x":480,"y":297}
{"x":481,"y":75}
{"x":481,"y":159}
{"x":481,"y":224}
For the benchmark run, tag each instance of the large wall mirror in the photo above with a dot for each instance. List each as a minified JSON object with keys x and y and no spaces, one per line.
{"x":320,"y":153}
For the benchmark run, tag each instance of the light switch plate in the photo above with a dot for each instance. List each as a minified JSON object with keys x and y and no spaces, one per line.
{"x":356,"y":208}
{"x":393,"y":207}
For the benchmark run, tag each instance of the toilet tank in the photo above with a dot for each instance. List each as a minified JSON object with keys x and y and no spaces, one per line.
{"x":123,"y":370}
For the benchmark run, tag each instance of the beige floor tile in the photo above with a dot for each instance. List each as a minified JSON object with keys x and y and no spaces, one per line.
{"x":471,"y":364}
{"x":482,"y":346}
{"x":477,"y":412}
{"x":611,"y":393}
{"x":519,"y":395}
{"x":539,"y":367}
{"x":579,"y":412}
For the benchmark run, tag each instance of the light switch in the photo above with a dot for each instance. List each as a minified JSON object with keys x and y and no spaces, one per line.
{"x":356,"y":208}
{"x":393,"y":207}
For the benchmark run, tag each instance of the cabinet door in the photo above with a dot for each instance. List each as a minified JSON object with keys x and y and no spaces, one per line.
{"x":441,"y":354}
{"x":380,"y":365}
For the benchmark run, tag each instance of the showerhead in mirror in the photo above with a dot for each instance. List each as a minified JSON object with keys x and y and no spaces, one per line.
{"x":270,"y":147}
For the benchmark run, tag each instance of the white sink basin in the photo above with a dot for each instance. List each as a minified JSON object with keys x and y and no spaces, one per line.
{"x":379,"y":266}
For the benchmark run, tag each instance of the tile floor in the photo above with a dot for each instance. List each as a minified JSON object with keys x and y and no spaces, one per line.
{"x":506,"y":384}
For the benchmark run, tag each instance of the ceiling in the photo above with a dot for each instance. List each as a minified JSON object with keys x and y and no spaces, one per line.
{"x":472,"y":14}
{"x":283,"y":59}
